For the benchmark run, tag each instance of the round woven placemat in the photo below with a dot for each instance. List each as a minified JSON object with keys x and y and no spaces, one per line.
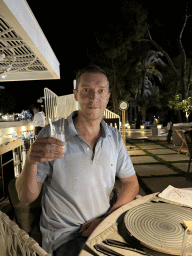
{"x":158,"y":226}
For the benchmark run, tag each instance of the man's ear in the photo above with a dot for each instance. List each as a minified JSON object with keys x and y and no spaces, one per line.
{"x":75,"y":95}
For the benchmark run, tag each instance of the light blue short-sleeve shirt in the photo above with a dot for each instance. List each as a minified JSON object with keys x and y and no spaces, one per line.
{"x":77,"y":187}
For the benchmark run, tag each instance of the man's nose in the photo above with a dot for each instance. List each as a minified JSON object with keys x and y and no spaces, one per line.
{"x":93,"y":95}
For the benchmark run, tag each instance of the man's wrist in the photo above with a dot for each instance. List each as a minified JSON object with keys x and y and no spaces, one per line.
{"x":31,"y":162}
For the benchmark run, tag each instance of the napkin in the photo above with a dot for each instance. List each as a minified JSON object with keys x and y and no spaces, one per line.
{"x":178,"y":195}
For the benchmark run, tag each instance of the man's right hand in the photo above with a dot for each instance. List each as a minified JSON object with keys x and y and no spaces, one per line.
{"x":46,"y":149}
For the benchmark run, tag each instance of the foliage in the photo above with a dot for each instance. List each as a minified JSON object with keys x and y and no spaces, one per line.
{"x":175,"y":103}
{"x":147,"y":94}
{"x":151,"y":98}
{"x":150,"y":64}
{"x":187,"y":105}
{"x":118,"y":49}
{"x":178,"y":104}
{"x":147,"y":68}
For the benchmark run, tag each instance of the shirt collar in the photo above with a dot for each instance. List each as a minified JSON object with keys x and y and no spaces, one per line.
{"x":72,"y":131}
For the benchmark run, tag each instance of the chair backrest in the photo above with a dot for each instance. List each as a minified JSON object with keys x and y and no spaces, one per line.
{"x":26,"y":216}
{"x":15,"y":241}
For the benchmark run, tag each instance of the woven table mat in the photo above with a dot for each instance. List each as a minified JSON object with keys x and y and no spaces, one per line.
{"x":158,"y":225}
{"x":110,"y":233}
{"x":113,"y":233}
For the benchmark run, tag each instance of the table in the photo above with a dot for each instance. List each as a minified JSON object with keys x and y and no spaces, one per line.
{"x":8,"y":144}
{"x":117,"y":217}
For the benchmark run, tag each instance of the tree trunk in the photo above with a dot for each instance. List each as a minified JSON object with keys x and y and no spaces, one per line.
{"x":130,"y":113}
{"x":143,"y":83}
{"x":143,"y":112}
{"x":189,"y":76}
{"x":179,"y":116}
{"x":180,"y":76}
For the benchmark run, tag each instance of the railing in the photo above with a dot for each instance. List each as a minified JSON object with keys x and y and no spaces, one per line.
{"x":21,"y":128}
{"x":14,"y":241}
{"x":110,"y":114}
{"x":112,"y":119}
{"x":58,"y":106}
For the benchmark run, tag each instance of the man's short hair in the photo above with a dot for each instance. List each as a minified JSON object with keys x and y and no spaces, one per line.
{"x":36,"y":105}
{"x":89,"y":69}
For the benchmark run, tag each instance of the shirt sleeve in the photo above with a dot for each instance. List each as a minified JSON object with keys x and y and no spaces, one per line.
{"x":44,"y":169}
{"x":124,"y":164}
{"x":39,"y":119}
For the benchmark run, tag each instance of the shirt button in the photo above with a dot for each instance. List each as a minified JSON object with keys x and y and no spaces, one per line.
{"x":87,"y":149}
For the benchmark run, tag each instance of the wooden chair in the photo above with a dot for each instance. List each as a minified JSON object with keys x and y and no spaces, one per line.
{"x":26,"y":216}
{"x":184,"y":143}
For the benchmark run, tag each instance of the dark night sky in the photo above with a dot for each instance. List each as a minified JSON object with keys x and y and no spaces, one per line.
{"x":69,"y":29}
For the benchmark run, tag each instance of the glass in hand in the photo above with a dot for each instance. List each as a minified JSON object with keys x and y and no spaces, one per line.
{"x":57,"y":130}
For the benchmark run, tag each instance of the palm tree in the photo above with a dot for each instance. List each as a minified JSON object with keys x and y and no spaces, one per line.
{"x":147,"y":91}
{"x":147,"y":70}
{"x":151,"y":98}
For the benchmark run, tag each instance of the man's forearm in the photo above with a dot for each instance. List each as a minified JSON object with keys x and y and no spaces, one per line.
{"x":44,"y":149}
{"x":26,"y":184}
{"x":127,"y":194}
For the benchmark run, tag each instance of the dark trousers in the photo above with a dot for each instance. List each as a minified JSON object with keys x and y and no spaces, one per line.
{"x":71,"y":248}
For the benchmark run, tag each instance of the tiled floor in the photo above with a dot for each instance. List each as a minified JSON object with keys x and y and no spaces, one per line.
{"x":136,"y":152}
{"x":163,"y":151}
{"x":174,"y":157}
{"x":153,"y":170}
{"x":160,"y":183}
{"x":183,"y":166}
{"x":160,"y":166}
{"x":143,"y":159}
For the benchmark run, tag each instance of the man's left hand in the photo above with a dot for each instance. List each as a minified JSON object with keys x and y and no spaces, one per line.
{"x":88,"y":227}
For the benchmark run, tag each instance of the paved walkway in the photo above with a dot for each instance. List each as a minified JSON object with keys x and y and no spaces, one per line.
{"x":158,"y":165}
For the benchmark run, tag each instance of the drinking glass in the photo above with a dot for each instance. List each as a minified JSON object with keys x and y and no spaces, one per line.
{"x":187,"y":243}
{"x":57,"y":131}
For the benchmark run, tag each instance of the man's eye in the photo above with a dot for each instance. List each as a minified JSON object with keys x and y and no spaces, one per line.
{"x":101,"y":90}
{"x":85,"y":90}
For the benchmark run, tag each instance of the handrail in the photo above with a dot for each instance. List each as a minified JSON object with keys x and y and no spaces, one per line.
{"x":110,"y":114}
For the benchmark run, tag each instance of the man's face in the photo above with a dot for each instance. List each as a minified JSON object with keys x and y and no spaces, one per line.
{"x":93,"y":95}
{"x":35,"y":110}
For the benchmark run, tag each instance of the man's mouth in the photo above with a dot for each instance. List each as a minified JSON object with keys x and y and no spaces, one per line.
{"x":92,"y":107}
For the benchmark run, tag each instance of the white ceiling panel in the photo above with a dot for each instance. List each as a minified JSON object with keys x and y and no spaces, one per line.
{"x":24,"y":45}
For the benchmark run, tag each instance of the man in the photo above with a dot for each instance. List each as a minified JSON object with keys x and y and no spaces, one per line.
{"x":39,"y":118}
{"x":77,"y":183}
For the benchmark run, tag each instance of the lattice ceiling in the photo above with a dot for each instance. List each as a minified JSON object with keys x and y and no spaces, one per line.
{"x":24,"y":49}
{"x":18,"y":52}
